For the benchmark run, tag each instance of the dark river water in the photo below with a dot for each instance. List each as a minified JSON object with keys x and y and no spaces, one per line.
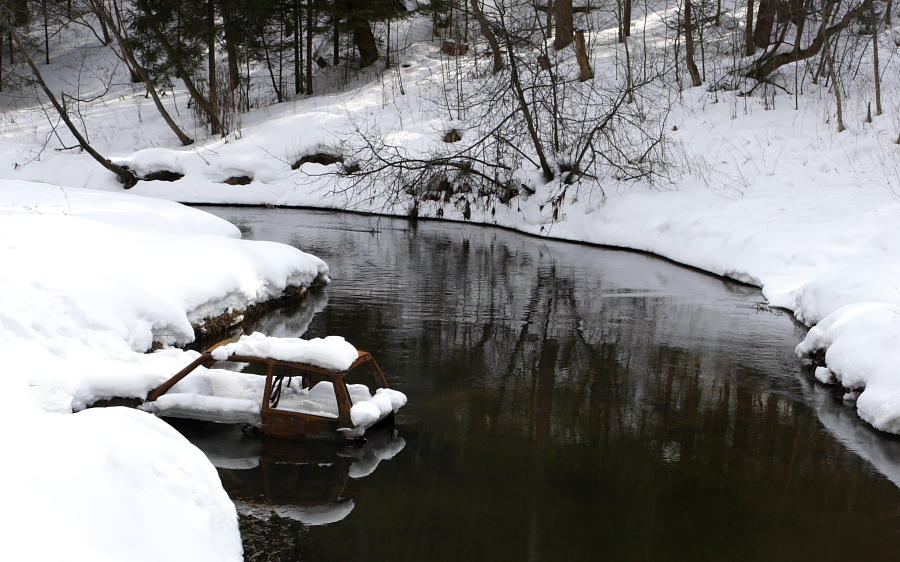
{"x":565,"y":403}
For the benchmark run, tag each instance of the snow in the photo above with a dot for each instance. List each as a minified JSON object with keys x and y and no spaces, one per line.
{"x":105,"y":484}
{"x":862,"y":349}
{"x":760,"y":192}
{"x":368,"y":457}
{"x":89,"y":281}
{"x":332,"y":352}
{"x":206,"y":408}
{"x":770,"y":196}
{"x":227,"y":447}
{"x":312,"y":515}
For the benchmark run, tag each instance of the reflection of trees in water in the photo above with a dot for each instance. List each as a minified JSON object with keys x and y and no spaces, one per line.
{"x":557,"y":409}
{"x":516,"y":320}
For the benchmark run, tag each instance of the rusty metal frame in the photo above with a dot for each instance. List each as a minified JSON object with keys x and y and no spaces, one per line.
{"x":285,"y":423}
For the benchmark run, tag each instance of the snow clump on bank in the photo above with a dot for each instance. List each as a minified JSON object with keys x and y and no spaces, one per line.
{"x":89,"y":281}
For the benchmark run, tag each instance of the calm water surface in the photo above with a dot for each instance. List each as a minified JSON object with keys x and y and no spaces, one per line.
{"x":565,"y":403}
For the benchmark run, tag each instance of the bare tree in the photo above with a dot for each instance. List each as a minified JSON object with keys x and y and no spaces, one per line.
{"x":298,"y":50}
{"x":215,"y":124}
{"x":523,"y":107}
{"x":836,"y":88}
{"x":489,"y":36}
{"x":765,"y":20}
{"x":689,"y":45}
{"x":624,"y":9}
{"x":125,"y":176}
{"x":228,"y":25}
{"x":750,"y":45}
{"x":310,"y":21}
{"x":201,"y":100}
{"x":772,"y":60}
{"x":876,"y":69}
{"x":98,"y":7}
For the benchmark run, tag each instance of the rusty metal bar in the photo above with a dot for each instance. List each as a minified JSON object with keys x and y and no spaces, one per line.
{"x":164,"y":387}
{"x":376,"y":370}
{"x":343,"y":399}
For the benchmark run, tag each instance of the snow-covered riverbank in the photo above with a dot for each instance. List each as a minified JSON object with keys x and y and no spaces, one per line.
{"x":769,"y":196}
{"x":89,"y":281}
{"x":761,"y":188}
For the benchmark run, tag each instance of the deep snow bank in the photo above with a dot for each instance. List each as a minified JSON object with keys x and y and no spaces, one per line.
{"x":95,"y":277}
{"x":88,"y":281}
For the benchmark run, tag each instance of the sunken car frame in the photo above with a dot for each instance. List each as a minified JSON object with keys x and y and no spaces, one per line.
{"x":287,"y":423}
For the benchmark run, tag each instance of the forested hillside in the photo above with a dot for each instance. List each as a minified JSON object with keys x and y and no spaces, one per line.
{"x":527,"y":94}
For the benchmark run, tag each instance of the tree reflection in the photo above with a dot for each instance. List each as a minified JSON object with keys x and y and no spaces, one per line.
{"x":570,"y":403}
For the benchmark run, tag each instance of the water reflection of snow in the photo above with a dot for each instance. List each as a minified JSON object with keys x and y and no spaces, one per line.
{"x":310,"y":515}
{"x":299,"y":481}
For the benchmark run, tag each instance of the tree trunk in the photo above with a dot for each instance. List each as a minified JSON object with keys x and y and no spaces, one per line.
{"x":549,"y":19}
{"x":875,"y":58}
{"x":887,"y":12}
{"x":626,"y":18}
{"x":105,"y":31}
{"x":749,"y":46}
{"x":365,"y":42}
{"x":836,"y":86}
{"x":387,"y":46}
{"x":689,"y":45}
{"x":200,"y":99}
{"x":126,"y":177}
{"x":21,"y":15}
{"x":565,"y":25}
{"x":298,"y":61}
{"x":336,"y":40}
{"x":310,"y":20}
{"x":797,"y":11}
{"x":798,"y":36}
{"x":271,"y":70}
{"x":770,"y":63}
{"x":281,"y":56}
{"x":100,"y":10}
{"x":765,"y":19}
{"x":185,"y":76}
{"x":46,"y":33}
{"x":234,"y":72}
{"x":489,"y":36}
{"x":523,"y":107}
{"x":584,"y":64}
{"x":215,"y":125}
